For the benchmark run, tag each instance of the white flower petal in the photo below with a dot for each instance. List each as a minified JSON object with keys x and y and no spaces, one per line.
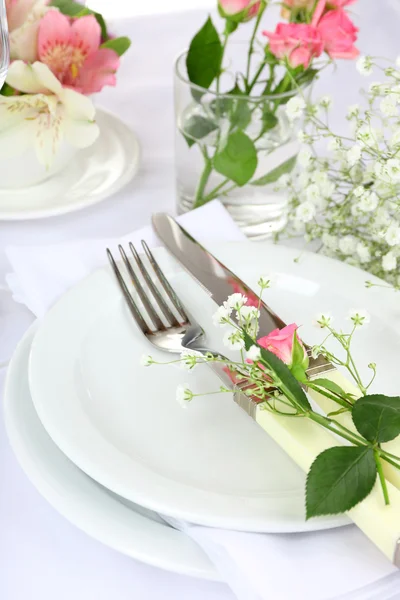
{"x":24,"y":78}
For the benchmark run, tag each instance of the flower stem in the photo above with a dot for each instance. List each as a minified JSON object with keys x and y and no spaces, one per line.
{"x":199,"y":198}
{"x":325,"y":422}
{"x":251,"y":47}
{"x":381,"y":475}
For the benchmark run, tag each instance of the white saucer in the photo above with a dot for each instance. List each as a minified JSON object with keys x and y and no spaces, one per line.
{"x":126,"y":527}
{"x":93,"y":175}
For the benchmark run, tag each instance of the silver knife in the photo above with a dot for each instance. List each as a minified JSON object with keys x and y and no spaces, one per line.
{"x":218,"y":280}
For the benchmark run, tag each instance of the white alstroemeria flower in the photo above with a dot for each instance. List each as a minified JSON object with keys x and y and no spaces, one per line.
{"x":295,"y":108}
{"x":353,"y":155}
{"x":222,"y":315}
{"x":234,"y":340}
{"x":359,"y":316}
{"x":254,"y":353}
{"x":235,"y":301}
{"x":183,"y":395}
{"x":364,"y":65}
{"x":363,"y":252}
{"x":392,"y":235}
{"x":348,"y":245}
{"x":191,"y":358}
{"x":389,"y":261}
{"x":305,"y":212}
{"x":146,"y":360}
{"x":44,"y":115}
{"x":323,"y":319}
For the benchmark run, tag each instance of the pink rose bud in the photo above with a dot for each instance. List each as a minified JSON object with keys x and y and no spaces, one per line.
{"x":289,"y":5}
{"x":297,"y":42}
{"x":338,"y":34}
{"x":239,"y":10}
{"x":281,"y":343}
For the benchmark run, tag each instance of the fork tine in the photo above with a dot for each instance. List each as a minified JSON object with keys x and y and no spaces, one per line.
{"x":159,"y":299}
{"x":165,"y":283}
{"x":128,"y":297}
{"x":159,"y":325}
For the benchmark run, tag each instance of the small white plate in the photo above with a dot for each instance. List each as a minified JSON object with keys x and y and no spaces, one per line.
{"x":93,"y":175}
{"x":130,"y":529}
{"x":210,"y":464}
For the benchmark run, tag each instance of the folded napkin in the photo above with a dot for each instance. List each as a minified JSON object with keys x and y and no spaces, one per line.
{"x":340,"y":564}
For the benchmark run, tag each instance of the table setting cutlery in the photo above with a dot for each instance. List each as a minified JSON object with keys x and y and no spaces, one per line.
{"x":365,"y":564}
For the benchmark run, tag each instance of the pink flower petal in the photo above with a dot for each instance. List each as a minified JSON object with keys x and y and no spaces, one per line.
{"x":86,"y":34}
{"x":98,"y":70}
{"x":54,"y":43}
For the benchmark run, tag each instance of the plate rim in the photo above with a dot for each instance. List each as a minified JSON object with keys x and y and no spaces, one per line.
{"x":192,"y":561}
{"x":32,"y":215}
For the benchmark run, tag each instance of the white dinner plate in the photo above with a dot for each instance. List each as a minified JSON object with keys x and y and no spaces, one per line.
{"x":130,"y":529}
{"x":93,"y":175}
{"x":210,"y":464}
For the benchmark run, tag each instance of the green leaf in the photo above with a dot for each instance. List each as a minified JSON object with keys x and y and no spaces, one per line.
{"x":241,"y":115}
{"x":377,"y":417}
{"x":120,"y":45}
{"x":204,"y":57}
{"x":299,"y":355}
{"x":331,"y":386}
{"x":7,"y":90}
{"x":306,"y":76}
{"x":74,"y":9}
{"x":274,"y":175}
{"x":196,"y":128}
{"x":289,"y":383}
{"x":238,"y":159}
{"x":269,"y":119}
{"x":339,"y":478}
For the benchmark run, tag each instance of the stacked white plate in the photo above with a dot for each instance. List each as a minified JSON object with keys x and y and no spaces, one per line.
{"x":105,"y":442}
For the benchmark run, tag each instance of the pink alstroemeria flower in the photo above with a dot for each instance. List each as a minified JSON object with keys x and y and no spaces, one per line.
{"x":71,"y":50}
{"x":280,"y":342}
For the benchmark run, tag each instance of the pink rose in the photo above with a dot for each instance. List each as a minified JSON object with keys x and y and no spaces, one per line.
{"x":338,"y":34}
{"x":298,"y":42}
{"x":239,"y":10}
{"x":280,"y":342}
{"x":340,"y":3}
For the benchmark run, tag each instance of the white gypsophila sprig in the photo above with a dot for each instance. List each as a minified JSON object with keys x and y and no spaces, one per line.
{"x":295,"y":108}
{"x":364,"y":65}
{"x":235,"y":301}
{"x":348,"y":196}
{"x":184,"y":395}
{"x":222,"y":316}
{"x":146,"y":360}
{"x":359,"y":316}
{"x":191,"y":358}
{"x":234,"y":340}
{"x":323,"y":319}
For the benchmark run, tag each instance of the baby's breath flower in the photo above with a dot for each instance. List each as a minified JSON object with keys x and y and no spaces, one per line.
{"x":392,"y":235}
{"x":235,"y":301}
{"x":313,"y":194}
{"x":353,"y":155}
{"x":364,"y":65}
{"x":146,"y":360}
{"x":348,"y":244}
{"x":222,"y":315}
{"x":183,"y":395}
{"x":295,"y":108}
{"x":265,"y":281}
{"x":353,"y":111}
{"x":393,"y":169}
{"x":190,"y":358}
{"x":284,"y":180}
{"x":254,"y":353}
{"x":359,"y":316}
{"x":359,"y":191}
{"x":330,"y":241}
{"x":325,"y":101}
{"x":316,"y":350}
{"x":304,"y":157}
{"x":234,"y":340}
{"x":389,"y":261}
{"x":305,"y":212}
{"x":248,"y":313}
{"x":368,"y":202}
{"x":323,"y":319}
{"x":388,"y":105}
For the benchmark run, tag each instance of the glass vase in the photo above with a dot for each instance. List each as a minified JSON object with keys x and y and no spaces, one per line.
{"x":234,"y":147}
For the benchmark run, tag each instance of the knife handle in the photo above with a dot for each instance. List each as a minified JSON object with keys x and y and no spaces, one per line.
{"x":391,"y":473}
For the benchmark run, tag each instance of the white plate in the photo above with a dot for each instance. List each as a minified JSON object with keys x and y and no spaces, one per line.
{"x":210,"y":464}
{"x":130,"y":529}
{"x":93,"y":175}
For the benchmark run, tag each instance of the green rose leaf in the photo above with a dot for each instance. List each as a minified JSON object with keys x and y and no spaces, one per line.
{"x":339,"y":478}
{"x":238,"y":159}
{"x":196,"y":128}
{"x":241,"y":115}
{"x":274,"y":175}
{"x":269,"y":120}
{"x":74,"y":9}
{"x":377,"y":417}
{"x":331,"y":386}
{"x":289,"y":382}
{"x":299,"y":355}
{"x":120,"y":45}
{"x":203,"y":61}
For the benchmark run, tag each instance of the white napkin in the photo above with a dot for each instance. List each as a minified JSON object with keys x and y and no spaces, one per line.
{"x":340,"y":564}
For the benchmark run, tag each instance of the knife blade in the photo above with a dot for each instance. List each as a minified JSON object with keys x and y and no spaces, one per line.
{"x":218,"y":280}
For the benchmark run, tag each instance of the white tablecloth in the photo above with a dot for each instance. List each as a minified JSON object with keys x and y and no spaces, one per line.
{"x":42,"y":556}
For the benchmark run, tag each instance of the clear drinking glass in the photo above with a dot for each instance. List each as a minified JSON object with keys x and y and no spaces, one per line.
{"x":204,"y":120}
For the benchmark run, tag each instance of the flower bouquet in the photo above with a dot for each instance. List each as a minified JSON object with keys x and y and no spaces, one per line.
{"x":348,"y":199}
{"x":234,"y":137}
{"x":61,"y":54}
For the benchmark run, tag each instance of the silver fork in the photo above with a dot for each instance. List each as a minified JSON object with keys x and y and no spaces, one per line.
{"x":179,"y":331}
